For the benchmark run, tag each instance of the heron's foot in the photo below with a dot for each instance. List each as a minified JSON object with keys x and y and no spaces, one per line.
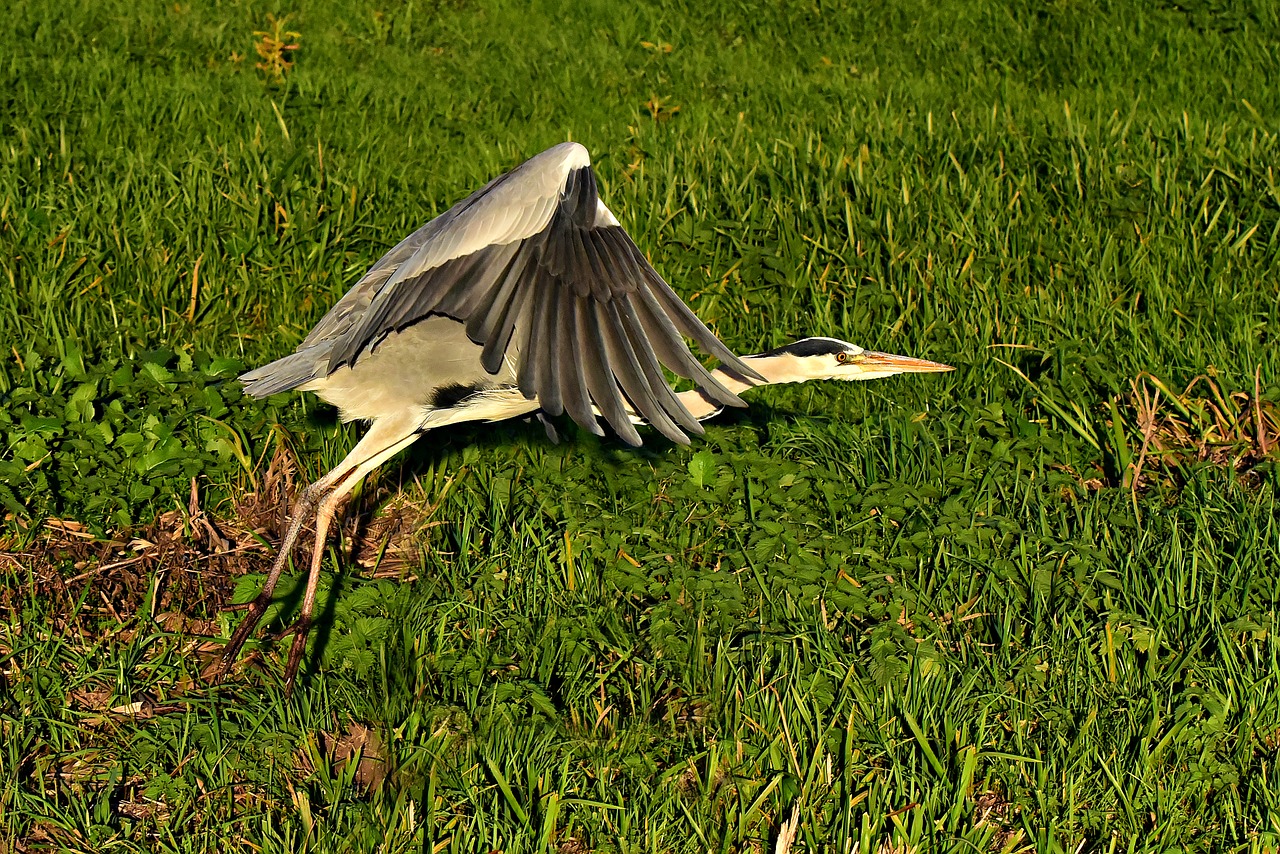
{"x":300,"y":631}
{"x":223,"y":664}
{"x":218,"y":670}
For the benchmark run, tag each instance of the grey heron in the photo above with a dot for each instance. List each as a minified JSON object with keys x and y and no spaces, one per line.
{"x":527,"y":297}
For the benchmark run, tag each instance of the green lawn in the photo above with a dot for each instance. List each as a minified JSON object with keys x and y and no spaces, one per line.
{"x":1030,"y":604}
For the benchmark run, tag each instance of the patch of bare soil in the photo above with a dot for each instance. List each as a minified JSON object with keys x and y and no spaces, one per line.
{"x":182,"y":569}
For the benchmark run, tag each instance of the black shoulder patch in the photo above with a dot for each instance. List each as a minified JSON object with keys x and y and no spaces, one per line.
{"x":810,"y":347}
{"x":449,"y":396}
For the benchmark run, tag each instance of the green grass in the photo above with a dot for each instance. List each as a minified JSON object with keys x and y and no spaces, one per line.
{"x":867,"y":606}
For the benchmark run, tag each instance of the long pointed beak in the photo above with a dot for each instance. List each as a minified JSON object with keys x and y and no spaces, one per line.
{"x":874,"y":361}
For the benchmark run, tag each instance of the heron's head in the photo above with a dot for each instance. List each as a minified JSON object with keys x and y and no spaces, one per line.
{"x":833,"y":359}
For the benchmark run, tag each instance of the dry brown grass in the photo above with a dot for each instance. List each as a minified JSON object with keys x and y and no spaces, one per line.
{"x":1202,"y":424}
{"x":182,"y":569}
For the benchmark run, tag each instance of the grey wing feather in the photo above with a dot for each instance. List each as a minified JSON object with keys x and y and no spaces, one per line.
{"x":295,"y":369}
{"x":534,"y":258}
{"x":349,"y":310}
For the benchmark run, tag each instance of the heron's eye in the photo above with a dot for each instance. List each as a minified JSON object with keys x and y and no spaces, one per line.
{"x":842,"y":357}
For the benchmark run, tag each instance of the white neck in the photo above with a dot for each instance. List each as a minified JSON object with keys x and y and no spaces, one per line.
{"x":774,"y":369}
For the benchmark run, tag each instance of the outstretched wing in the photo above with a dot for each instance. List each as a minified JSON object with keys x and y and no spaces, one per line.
{"x":536,"y":258}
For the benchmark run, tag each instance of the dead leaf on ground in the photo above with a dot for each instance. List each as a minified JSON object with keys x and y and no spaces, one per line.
{"x":358,"y":743}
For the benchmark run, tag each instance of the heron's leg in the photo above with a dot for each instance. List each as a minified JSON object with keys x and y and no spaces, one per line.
{"x":302,"y":509}
{"x":324,"y":516}
{"x":374,"y":442}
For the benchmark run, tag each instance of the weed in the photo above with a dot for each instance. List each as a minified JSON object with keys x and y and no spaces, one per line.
{"x":274,"y":50}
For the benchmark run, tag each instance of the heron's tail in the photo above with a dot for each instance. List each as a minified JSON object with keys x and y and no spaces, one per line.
{"x":288,"y":373}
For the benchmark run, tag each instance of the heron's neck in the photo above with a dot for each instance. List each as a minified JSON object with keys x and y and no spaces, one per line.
{"x":774,"y":369}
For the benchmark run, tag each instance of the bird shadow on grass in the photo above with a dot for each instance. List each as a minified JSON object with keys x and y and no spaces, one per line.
{"x":366,"y":531}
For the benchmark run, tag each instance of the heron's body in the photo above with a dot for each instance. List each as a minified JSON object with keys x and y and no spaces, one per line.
{"x":527,"y":296}
{"x":430,"y":371}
